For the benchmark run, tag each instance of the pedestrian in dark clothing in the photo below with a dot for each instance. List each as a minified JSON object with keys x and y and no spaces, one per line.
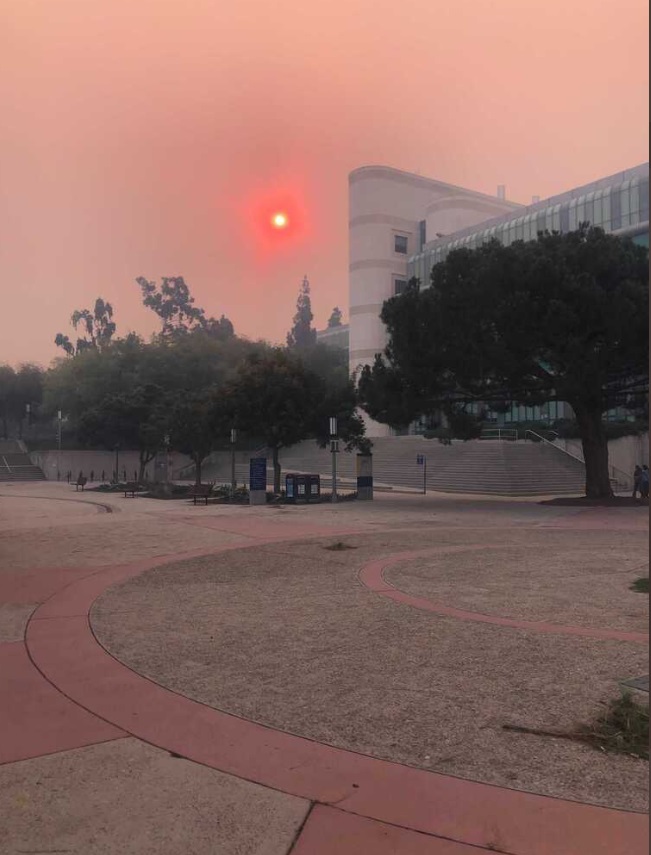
{"x":92,"y":475}
{"x":637,"y":476}
{"x":644,"y":482}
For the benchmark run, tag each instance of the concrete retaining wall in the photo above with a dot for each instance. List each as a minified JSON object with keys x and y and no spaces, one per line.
{"x":98,"y":461}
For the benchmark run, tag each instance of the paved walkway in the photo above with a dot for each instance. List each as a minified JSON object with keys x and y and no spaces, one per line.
{"x":99,"y":759}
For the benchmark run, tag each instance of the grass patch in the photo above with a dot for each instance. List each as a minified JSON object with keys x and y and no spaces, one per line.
{"x":622,"y":729}
{"x":339,"y":546}
{"x":641,"y":585}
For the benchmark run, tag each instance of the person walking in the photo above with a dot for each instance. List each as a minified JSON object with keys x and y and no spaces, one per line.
{"x":637,"y":476}
{"x":644,"y":482}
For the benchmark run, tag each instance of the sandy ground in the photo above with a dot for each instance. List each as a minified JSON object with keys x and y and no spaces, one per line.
{"x":286,"y":635}
{"x":563,"y":577}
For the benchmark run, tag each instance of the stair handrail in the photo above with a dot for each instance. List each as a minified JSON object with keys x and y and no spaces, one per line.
{"x":540,"y":438}
{"x":510,"y":434}
{"x":616,"y":474}
{"x":626,"y":481}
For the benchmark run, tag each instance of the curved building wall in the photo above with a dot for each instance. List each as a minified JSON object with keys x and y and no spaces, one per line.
{"x":386,"y":210}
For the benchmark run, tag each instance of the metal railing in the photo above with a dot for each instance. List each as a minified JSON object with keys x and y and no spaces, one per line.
{"x":618,"y":476}
{"x":540,"y":438}
{"x":510,"y":434}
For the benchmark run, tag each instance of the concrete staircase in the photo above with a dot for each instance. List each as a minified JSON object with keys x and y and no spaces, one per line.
{"x":494,"y":467}
{"x":15,"y":464}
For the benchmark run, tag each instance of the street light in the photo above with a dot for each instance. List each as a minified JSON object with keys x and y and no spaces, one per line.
{"x":166,"y":441}
{"x":233,"y":441}
{"x":59,"y":419}
{"x":334,"y":448}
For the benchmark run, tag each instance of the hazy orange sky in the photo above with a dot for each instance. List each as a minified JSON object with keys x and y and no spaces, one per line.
{"x":145,"y":137}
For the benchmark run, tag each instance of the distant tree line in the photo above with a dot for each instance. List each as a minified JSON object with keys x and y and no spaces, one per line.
{"x":189,"y":386}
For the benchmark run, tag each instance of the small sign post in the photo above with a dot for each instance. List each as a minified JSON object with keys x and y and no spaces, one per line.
{"x":421,"y":460}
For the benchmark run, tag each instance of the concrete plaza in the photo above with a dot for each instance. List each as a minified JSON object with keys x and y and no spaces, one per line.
{"x":219,"y":680}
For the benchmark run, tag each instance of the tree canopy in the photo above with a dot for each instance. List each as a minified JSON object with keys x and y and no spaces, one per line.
{"x":174,"y":305}
{"x":278,"y":398}
{"x":564,"y":317}
{"x":18,"y":389}
{"x":302,"y":335}
{"x":138,"y":419}
{"x":97,"y":324}
{"x":335,"y":318}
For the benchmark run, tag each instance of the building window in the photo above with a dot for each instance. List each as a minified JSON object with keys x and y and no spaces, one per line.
{"x":565,"y":218}
{"x":422,"y":234}
{"x":399,"y":286}
{"x":644,"y":199}
{"x":616,"y":208}
{"x":400,"y":244}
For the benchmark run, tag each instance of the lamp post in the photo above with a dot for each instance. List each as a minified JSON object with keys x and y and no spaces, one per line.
{"x":233,"y":441}
{"x":334,"y":448}
{"x":59,"y":419}
{"x":166,"y":440}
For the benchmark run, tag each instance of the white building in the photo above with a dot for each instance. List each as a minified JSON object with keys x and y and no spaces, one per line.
{"x":391,"y":216}
{"x":402,"y":224}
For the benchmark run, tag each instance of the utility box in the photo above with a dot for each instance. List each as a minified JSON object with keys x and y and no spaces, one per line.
{"x":301,"y":489}
{"x":314,"y":491}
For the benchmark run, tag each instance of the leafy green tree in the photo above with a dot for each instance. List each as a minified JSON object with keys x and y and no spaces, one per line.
{"x":273,"y":398}
{"x":302,"y":335}
{"x":337,"y":396}
{"x":138,"y":419}
{"x":7,"y":396}
{"x":98,"y":325}
{"x":562,"y":318}
{"x":277,"y":398}
{"x":20,"y":389}
{"x":199,"y":423}
{"x":174,"y":305}
{"x":335,"y":318}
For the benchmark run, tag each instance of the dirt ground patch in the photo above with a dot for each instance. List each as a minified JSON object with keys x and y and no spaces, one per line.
{"x":286,"y":635}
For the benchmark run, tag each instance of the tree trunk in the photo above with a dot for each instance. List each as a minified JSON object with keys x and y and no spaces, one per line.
{"x":197,"y":469}
{"x":276,"y":465}
{"x":142,"y":459}
{"x":595,"y":452}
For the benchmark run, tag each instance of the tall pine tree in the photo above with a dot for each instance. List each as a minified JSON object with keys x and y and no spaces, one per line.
{"x":302,"y":335}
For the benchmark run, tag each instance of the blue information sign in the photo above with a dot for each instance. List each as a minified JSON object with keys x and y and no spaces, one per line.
{"x":420,"y":459}
{"x":258,"y":473}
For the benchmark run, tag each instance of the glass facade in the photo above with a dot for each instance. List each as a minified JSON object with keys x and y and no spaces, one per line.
{"x":618,"y":204}
{"x":614,"y":207}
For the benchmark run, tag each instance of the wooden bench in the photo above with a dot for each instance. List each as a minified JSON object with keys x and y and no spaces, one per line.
{"x":80,"y":482}
{"x":200,"y":491}
{"x":131,"y":487}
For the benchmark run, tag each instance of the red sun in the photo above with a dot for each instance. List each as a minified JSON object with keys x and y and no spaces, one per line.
{"x":280,"y":220}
